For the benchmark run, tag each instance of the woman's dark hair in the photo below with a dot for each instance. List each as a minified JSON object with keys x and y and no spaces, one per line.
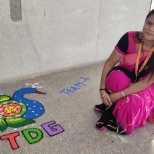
{"x":150,"y":65}
{"x":138,"y":37}
{"x":149,"y":14}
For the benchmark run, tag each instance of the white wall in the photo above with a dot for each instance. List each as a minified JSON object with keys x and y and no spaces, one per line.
{"x":58,"y":34}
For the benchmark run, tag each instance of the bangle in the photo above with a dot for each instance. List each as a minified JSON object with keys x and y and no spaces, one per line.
{"x":102,"y":89}
{"x":123,"y":94}
{"x":103,"y":95}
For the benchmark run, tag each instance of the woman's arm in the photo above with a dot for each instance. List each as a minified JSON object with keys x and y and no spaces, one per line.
{"x":109,"y":64}
{"x":136,"y":87}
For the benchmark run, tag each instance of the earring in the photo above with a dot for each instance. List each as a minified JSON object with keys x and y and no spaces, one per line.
{"x":142,"y":37}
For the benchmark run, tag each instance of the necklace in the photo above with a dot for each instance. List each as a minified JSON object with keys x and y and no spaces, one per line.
{"x":138,"y":59}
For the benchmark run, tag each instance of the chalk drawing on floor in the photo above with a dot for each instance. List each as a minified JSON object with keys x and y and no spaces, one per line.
{"x":33,"y":85}
{"x":19,"y":111}
{"x":77,"y":86}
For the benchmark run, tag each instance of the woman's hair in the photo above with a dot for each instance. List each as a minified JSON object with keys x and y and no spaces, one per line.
{"x":138,"y":38}
{"x":149,"y":14}
{"x":149,"y":66}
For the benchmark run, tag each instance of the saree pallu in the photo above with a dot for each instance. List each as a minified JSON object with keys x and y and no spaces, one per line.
{"x":131,"y":111}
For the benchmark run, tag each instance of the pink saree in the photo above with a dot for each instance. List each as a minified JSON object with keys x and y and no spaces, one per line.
{"x":133,"y":110}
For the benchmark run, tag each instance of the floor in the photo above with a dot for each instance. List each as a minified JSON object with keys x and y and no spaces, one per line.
{"x":64,"y":118}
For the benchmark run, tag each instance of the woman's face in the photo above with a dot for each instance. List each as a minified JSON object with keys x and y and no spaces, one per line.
{"x":148,"y":28}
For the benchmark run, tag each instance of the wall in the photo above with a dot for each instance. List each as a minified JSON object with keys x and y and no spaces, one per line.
{"x":51,"y":35}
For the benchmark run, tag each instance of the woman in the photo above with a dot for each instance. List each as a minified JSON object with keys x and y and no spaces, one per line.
{"x":127,"y":82}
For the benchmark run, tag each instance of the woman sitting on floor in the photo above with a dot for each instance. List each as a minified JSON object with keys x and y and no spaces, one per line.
{"x":127,"y":82}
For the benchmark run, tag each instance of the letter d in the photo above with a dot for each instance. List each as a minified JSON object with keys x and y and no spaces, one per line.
{"x":32,"y":135}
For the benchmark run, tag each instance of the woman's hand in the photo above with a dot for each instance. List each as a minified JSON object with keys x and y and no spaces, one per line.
{"x":105,"y":98}
{"x":115,"y":96}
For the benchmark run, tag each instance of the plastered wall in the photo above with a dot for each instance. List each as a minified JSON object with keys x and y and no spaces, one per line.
{"x":38,"y":36}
